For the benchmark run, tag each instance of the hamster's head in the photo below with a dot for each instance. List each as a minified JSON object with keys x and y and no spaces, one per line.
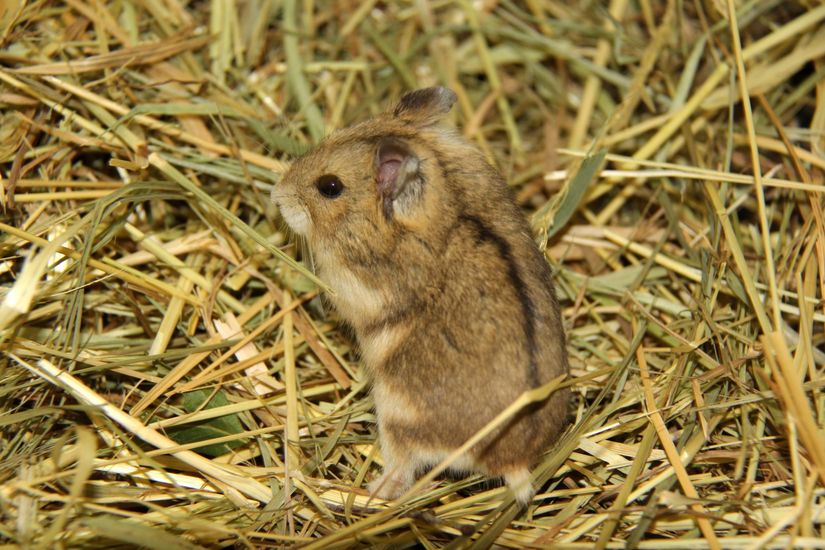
{"x":365,"y":186}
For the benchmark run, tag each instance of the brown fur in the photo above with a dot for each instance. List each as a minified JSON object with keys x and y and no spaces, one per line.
{"x":433,"y":265}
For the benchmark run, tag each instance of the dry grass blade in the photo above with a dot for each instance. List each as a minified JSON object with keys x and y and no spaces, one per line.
{"x":170,"y":376}
{"x":138,"y":55}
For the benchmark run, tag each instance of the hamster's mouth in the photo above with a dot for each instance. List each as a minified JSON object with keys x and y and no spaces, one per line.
{"x":295,"y":215}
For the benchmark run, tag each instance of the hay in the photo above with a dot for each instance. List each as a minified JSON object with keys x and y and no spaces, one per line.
{"x":170,"y":379}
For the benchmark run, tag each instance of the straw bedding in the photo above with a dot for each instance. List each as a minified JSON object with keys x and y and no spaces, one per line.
{"x":171,"y":378}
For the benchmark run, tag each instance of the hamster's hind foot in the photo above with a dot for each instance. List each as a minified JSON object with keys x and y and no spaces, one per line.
{"x":390,"y":485}
{"x":519,"y":482}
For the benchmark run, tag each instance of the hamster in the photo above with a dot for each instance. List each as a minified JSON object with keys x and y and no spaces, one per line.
{"x":452,"y":303}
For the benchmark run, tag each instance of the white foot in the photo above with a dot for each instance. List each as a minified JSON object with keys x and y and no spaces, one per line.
{"x":390,"y":485}
{"x":519,"y":482}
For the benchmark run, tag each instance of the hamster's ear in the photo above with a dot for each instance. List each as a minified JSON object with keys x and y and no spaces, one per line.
{"x":425,"y":106}
{"x":400,"y":181}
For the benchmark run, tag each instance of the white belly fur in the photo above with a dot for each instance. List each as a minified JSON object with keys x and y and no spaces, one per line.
{"x":377,"y":346}
{"x":392,"y":406}
{"x":356,"y":302}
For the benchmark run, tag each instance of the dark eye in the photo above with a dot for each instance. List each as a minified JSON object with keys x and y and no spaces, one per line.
{"x":329,"y":186}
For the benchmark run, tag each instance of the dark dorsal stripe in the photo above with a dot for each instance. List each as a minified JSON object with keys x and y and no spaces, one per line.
{"x":528,"y":315}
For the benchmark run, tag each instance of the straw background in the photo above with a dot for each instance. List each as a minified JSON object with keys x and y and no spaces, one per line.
{"x":171,"y":378}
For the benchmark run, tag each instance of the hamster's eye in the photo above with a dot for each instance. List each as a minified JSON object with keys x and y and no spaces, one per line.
{"x":329,"y":186}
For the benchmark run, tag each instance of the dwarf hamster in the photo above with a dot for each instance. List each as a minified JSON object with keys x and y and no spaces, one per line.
{"x":433,"y":265}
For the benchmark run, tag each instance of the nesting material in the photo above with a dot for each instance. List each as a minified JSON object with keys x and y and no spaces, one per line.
{"x":171,"y":378}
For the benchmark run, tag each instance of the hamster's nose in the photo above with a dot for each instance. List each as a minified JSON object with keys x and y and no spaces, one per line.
{"x":278,"y":194}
